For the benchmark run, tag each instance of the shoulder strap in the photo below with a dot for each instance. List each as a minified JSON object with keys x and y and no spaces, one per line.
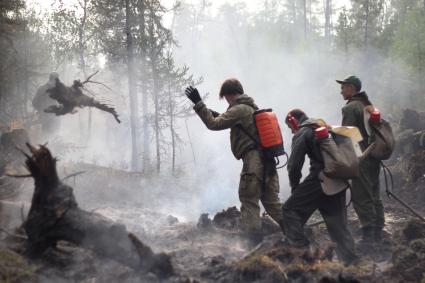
{"x":313,"y":126}
{"x":239,"y":126}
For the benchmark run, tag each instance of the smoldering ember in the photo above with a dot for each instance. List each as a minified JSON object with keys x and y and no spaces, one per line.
{"x":212,"y":141}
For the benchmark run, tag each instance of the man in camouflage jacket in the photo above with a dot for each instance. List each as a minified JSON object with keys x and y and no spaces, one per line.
{"x":259,"y":179}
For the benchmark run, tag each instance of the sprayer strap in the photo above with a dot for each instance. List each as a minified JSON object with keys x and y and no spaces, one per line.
{"x":257,"y":143}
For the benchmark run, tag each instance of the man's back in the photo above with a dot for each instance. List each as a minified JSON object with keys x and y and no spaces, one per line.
{"x":353,"y":113}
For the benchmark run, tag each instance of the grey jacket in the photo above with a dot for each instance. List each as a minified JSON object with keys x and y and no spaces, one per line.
{"x":304,"y":143}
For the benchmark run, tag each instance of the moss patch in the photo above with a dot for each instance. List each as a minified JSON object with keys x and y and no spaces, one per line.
{"x":13,"y":267}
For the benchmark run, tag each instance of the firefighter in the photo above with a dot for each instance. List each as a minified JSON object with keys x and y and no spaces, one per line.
{"x":307,"y":196}
{"x":41,"y":101}
{"x":259,"y":180}
{"x":365,"y":189}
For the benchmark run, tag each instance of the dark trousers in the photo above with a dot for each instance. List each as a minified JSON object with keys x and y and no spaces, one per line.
{"x":305,"y":199}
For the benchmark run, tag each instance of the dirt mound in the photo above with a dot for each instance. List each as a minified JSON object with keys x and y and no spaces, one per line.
{"x":409,"y":257}
{"x":230,"y":219}
{"x":275,"y":261}
{"x":414,"y":230}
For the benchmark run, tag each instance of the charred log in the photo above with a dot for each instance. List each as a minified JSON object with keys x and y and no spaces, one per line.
{"x":55,"y":216}
{"x":71,"y":97}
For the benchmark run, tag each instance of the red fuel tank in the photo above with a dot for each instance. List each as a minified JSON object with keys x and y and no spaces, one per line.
{"x":269,"y":132}
{"x":375,"y":116}
{"x":321,"y":133}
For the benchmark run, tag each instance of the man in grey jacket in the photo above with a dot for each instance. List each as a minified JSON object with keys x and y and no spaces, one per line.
{"x":307,"y":196}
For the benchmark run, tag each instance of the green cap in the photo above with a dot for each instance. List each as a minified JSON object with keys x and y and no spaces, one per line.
{"x":352,"y":80}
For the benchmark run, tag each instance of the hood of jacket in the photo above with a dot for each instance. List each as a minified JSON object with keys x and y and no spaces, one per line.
{"x":362,"y":97}
{"x":245,"y":99}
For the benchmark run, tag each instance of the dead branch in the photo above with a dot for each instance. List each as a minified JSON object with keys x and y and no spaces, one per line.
{"x":73,"y":175}
{"x":102,"y":84}
{"x":13,"y":234}
{"x":89,"y":77}
{"x":71,"y":97}
{"x":18,"y":176}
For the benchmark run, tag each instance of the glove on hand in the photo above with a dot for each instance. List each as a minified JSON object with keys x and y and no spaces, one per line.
{"x":193,"y":94}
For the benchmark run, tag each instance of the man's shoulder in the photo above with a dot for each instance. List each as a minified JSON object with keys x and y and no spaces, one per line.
{"x":352,"y":105}
{"x":242,"y":108}
{"x":304,"y":132}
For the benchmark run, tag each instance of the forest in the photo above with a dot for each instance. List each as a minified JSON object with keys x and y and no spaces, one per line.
{"x":118,"y":142}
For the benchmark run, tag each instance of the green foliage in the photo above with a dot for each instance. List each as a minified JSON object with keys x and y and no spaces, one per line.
{"x":409,"y":42}
{"x":344,"y":30}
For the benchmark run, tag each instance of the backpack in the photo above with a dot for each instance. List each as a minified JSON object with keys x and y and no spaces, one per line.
{"x":337,"y":148}
{"x":339,"y":157}
{"x":269,"y":133}
{"x":270,"y":139}
{"x":380,"y":135}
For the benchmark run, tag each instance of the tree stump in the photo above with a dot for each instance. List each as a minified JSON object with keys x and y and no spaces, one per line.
{"x":54,"y":215}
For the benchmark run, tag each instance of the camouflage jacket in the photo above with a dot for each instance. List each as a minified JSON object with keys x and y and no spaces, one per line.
{"x":353,"y":114}
{"x":239,"y":113}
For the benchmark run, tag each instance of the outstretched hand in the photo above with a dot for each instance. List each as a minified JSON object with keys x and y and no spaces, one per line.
{"x":193,"y":94}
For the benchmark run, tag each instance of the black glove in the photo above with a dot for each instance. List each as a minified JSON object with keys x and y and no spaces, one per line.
{"x":193,"y":94}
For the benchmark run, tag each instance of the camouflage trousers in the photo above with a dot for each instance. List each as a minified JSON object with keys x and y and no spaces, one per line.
{"x":259,"y":182}
{"x":306,"y":198}
{"x":365,"y":194}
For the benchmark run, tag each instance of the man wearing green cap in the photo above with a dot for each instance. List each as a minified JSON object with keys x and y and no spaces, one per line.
{"x":365,"y":189}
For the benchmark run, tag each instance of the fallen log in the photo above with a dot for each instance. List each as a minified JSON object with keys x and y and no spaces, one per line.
{"x":54,"y":216}
{"x":71,"y":97}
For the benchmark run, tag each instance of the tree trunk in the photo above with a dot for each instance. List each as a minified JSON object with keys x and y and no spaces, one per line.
{"x":132,"y":90}
{"x":156,"y":121}
{"x":145,"y":95}
{"x":26,"y":75}
{"x":54,"y":216}
{"x":366,"y":30}
{"x":305,"y":18}
{"x":81,"y":49}
{"x":328,"y":14}
{"x":173,"y":140}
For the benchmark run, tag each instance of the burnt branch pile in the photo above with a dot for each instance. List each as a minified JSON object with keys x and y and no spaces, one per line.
{"x":55,"y":216}
{"x":71,"y":97}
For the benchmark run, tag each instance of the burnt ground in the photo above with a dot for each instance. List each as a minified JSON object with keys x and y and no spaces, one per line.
{"x":213,"y":249}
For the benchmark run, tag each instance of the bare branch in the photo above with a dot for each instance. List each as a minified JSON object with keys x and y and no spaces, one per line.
{"x":22,"y":151}
{"x":89,"y":77}
{"x":73,"y":175}
{"x":18,"y":176}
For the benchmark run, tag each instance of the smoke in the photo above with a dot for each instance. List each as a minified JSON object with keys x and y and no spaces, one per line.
{"x":277,"y":71}
{"x":296,"y":76}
